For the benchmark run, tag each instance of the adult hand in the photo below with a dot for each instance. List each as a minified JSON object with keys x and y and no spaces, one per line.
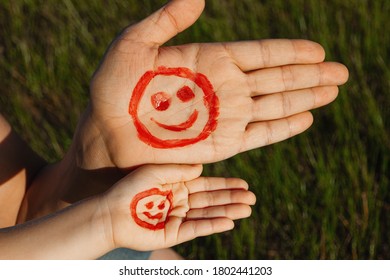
{"x":198,"y":103}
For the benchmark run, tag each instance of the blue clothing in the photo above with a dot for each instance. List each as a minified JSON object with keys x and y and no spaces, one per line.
{"x":126,"y":254}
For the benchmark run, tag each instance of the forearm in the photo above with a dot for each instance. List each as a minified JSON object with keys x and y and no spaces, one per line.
{"x":63,"y":183}
{"x":73,"y":178}
{"x":81,"y":231}
{"x":18,"y":166}
{"x":16,"y":155}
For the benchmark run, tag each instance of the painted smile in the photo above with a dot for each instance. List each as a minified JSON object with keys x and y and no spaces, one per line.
{"x":158,"y":216}
{"x":182,"y":126}
{"x":167,"y":136}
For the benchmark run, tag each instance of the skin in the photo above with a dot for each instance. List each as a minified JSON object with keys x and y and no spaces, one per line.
{"x":18,"y":166}
{"x":201,"y":206}
{"x":265,"y":90}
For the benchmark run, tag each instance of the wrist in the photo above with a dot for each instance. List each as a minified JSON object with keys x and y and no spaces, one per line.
{"x":88,"y":168}
{"x":104,"y":224}
{"x":63,"y":183}
{"x":88,"y":149}
{"x":81,"y":182}
{"x":80,"y":231}
{"x":97,"y":143}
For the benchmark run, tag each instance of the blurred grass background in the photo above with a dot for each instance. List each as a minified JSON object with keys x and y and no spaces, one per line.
{"x":322,"y":195}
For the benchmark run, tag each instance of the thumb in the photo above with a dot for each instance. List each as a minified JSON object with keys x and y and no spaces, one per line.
{"x":167,"y":173}
{"x":167,"y":22}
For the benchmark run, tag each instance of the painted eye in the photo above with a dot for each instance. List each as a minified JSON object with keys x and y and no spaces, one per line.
{"x":161,"y":206}
{"x":185,"y":94}
{"x":161,"y":101}
{"x":149,"y":205}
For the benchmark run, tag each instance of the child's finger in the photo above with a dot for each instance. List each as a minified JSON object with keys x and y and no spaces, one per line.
{"x":169,"y":173}
{"x":221,"y":197}
{"x":165,"y":23}
{"x":252,"y":55}
{"x":233,"y":212}
{"x":192,"y":229}
{"x":202,"y":184}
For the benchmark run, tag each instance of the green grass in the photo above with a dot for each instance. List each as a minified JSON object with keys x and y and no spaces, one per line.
{"x":322,"y":195}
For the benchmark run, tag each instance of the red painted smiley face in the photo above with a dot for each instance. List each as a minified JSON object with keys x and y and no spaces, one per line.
{"x":184,"y":113}
{"x":150,"y":209}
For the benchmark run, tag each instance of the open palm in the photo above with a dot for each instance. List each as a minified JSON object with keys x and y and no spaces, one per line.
{"x":161,"y":206}
{"x":200,"y":103}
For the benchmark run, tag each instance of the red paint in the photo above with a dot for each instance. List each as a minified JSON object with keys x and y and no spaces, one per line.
{"x":145,"y":218}
{"x":149,"y":205}
{"x":160,"y":101}
{"x":161,"y":206}
{"x":185,"y":94}
{"x":210,"y":101}
{"x":157,"y":216}
{"x":180,"y":127}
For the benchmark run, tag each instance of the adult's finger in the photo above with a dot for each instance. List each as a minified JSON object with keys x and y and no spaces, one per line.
{"x":284,"y":104}
{"x":165,"y":23}
{"x":259,"y":134}
{"x":253,"y":55}
{"x":293,"y":77}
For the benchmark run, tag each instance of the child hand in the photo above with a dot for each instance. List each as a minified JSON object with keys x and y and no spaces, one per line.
{"x":161,"y":206}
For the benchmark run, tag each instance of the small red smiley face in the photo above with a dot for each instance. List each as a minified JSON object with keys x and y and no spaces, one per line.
{"x":150,"y":209}
{"x":197,"y":114}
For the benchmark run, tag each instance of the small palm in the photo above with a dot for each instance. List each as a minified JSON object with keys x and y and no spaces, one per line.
{"x":161,"y":206}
